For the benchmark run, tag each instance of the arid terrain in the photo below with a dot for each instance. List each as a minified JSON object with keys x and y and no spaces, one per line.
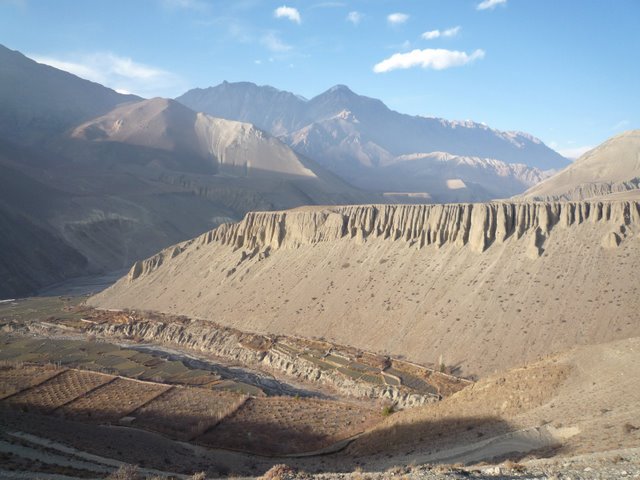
{"x":91,"y":398}
{"x":432,"y":273}
{"x":419,"y":281}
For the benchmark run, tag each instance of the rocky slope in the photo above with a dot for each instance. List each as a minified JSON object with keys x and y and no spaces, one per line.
{"x":339,"y":144}
{"x":611,"y":168}
{"x":221,"y":145}
{"x":420,"y":281}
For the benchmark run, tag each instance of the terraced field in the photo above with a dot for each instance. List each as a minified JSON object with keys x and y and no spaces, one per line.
{"x":263,"y":425}
{"x":113,"y":401}
{"x":13,"y":381}
{"x":282,"y":425}
{"x":370,"y":368}
{"x":67,"y":309}
{"x":57,"y":391}
{"x":186,"y":413}
{"x":102,"y":357}
{"x":373,"y":373}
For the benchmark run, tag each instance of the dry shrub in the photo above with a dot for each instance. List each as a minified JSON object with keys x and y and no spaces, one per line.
{"x":387,"y":410}
{"x":514,"y":466}
{"x":627,"y":428}
{"x":125,"y":472}
{"x":279,"y":472}
{"x":398,"y":470}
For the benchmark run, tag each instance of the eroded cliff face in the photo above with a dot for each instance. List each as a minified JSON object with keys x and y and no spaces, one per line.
{"x":230,"y":345}
{"x":488,"y":286}
{"x":590,"y":190}
{"x":476,"y":226}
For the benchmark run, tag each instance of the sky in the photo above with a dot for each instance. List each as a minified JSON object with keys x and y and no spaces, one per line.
{"x":566,"y":71}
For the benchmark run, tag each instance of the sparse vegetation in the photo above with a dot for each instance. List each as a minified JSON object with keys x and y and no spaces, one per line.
{"x":277,"y":425}
{"x":280,"y":471}
{"x":186,"y":413}
{"x":387,"y":410}
{"x":125,"y":472}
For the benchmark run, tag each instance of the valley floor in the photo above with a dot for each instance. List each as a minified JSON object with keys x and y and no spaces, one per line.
{"x":74,"y":405}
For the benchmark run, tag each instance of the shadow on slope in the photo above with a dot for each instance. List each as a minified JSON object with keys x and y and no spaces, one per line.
{"x":270,"y":443}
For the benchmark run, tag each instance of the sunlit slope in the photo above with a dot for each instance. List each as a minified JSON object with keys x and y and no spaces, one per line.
{"x":487,"y":286}
{"x":611,"y":168}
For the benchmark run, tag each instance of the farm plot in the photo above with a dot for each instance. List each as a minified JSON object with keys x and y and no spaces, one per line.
{"x":185,"y":413}
{"x":196,"y":378}
{"x":58,"y":391}
{"x":16,"y":377}
{"x":284,"y":425}
{"x":413,"y":381}
{"x":42,"y":308}
{"x":113,"y":401}
{"x":101,"y":357}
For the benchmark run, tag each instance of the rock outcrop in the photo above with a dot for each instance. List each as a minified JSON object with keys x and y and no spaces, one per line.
{"x":228,"y":345}
{"x":476,"y":226}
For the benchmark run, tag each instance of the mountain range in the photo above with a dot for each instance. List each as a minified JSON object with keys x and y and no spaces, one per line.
{"x":358,"y":137}
{"x":93,"y":180}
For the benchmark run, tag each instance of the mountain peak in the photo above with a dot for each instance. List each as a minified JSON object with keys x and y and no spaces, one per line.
{"x":340,"y":89}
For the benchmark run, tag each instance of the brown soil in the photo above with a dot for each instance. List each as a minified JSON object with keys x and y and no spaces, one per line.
{"x":185,"y":413}
{"x":113,"y":401}
{"x":58,"y":391}
{"x":14,"y":380}
{"x":283,"y":425}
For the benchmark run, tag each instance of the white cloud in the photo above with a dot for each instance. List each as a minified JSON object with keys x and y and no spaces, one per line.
{"x":273,"y":43}
{"x":574,"y":152}
{"x":288,"y":12}
{"x":397,"y":18}
{"x":432,"y":34}
{"x":450,"y":32}
{"x":490,"y":4}
{"x":436,"y":59}
{"x":354,"y":17}
{"x":120,"y":73}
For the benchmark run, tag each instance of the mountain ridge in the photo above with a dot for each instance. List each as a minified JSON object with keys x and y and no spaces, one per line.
{"x":109,"y":178}
{"x":39,"y":101}
{"x":399,"y":133}
{"x":613,"y":167}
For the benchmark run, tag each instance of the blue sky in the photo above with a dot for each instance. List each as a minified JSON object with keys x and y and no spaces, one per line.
{"x":566,"y":71}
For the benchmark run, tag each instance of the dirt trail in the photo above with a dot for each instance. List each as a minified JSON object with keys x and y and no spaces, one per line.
{"x":39,"y":449}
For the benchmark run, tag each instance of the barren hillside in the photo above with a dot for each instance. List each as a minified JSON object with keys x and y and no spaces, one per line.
{"x":611,"y":168}
{"x":582,"y":401}
{"x":488,"y":286}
